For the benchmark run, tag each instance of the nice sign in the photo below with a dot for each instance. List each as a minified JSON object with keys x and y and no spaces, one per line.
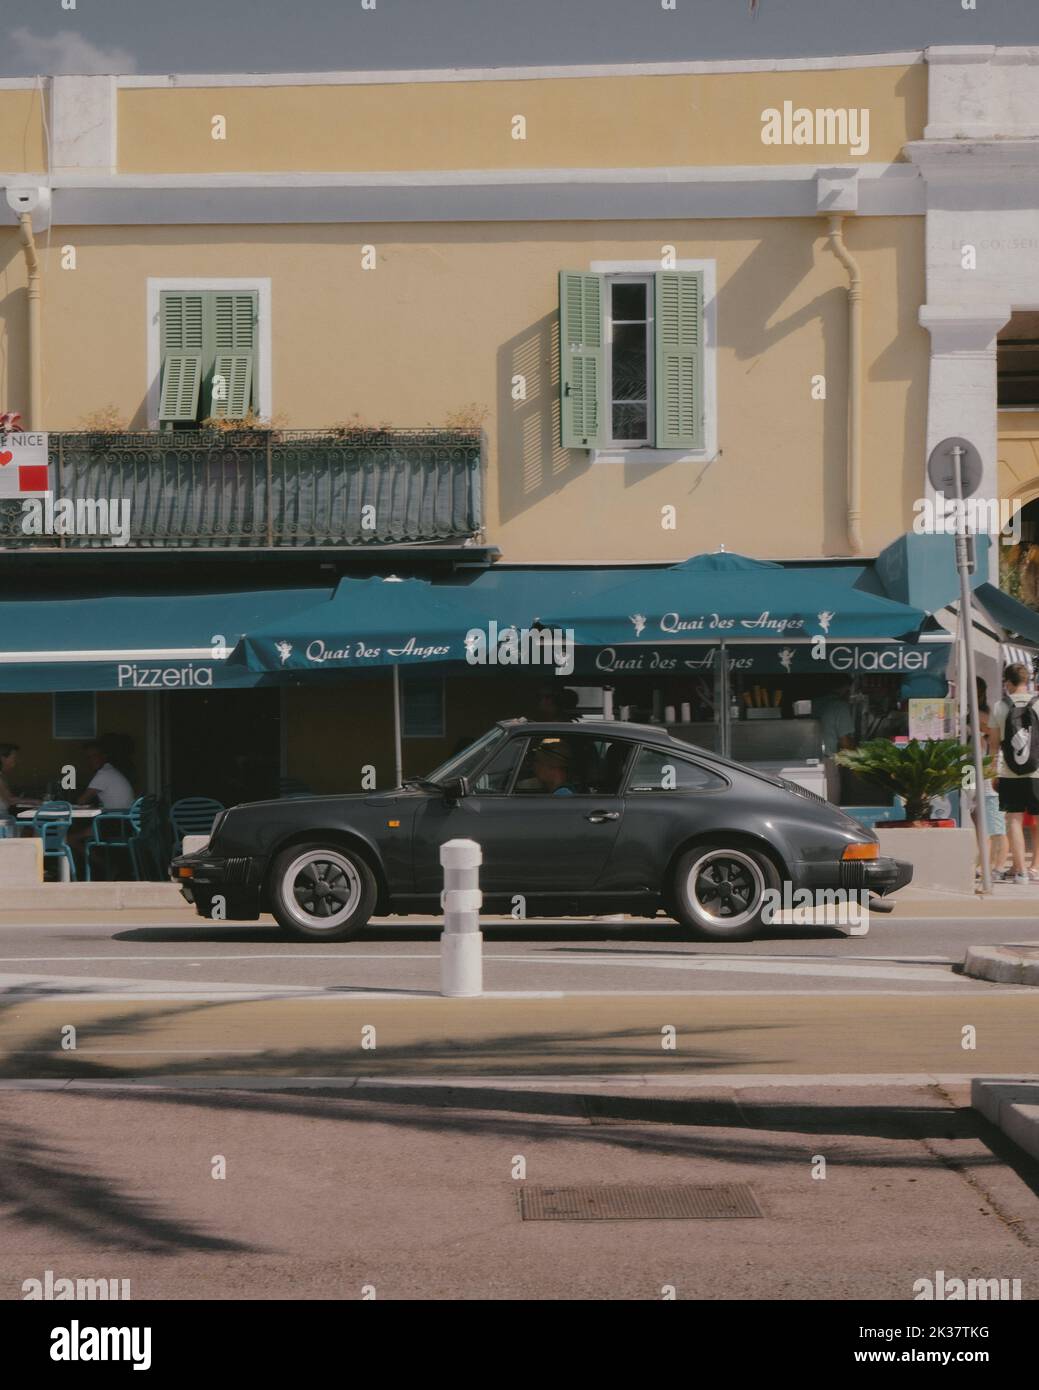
{"x":24,"y":471}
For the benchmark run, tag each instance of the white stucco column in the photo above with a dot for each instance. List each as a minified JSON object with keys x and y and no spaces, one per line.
{"x":961,"y":397}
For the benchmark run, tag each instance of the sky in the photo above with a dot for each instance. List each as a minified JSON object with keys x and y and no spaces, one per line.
{"x":212,"y":36}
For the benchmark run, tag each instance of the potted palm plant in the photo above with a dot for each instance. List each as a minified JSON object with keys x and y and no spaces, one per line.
{"x":916,"y":771}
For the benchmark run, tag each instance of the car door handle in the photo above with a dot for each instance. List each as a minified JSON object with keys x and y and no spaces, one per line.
{"x":597,"y":817}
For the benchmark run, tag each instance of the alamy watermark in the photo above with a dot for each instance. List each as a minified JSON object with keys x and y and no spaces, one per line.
{"x":945,"y":1288}
{"x":801,"y":125}
{"x":61,"y":1288}
{"x":81,"y":516}
{"x":816,"y":906}
{"x":974,"y":516}
{"x":526,"y":646}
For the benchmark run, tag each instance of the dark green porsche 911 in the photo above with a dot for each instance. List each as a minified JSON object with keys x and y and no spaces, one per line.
{"x":572,"y":819}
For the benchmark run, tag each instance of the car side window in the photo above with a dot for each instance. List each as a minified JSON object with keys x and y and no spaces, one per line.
{"x":657,"y":770}
{"x":574,"y":764}
{"x":496,"y":777}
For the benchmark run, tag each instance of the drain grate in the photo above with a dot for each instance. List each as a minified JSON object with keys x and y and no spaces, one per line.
{"x":634,"y":1202}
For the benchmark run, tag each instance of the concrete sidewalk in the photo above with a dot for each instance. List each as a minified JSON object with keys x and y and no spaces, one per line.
{"x":415,"y":1193}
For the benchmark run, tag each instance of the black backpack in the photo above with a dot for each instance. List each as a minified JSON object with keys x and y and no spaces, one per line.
{"x":1020,"y":742}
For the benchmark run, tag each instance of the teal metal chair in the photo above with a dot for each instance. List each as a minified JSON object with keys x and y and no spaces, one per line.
{"x":136,"y":831}
{"x":111,"y":830}
{"x":193,"y":815}
{"x":151,"y":838}
{"x":52,"y":822}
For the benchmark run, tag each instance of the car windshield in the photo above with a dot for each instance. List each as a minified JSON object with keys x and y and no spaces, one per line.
{"x":464,"y":763}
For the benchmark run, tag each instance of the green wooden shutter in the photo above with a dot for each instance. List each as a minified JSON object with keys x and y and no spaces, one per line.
{"x":236,"y":368}
{"x":182,"y":345}
{"x":581,"y":384}
{"x":181,"y":383}
{"x":679,"y":359}
{"x":182,"y":315}
{"x":232,"y":320}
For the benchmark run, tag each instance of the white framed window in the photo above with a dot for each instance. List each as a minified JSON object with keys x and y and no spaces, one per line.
{"x":260,"y":387}
{"x":618,"y":451}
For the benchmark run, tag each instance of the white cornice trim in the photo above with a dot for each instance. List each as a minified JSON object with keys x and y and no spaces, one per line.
{"x":467,"y":178}
{"x":963,"y":330}
{"x":901,"y":58}
{"x":971,"y":159}
{"x":962,"y":54}
{"x":599,"y":195}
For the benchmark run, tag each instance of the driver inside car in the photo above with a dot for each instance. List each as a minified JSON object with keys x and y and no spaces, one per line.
{"x":552,"y":762}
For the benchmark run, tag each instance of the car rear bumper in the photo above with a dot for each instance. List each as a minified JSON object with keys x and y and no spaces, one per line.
{"x":880,"y":876}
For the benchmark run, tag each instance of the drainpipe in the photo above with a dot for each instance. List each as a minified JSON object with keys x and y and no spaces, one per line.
{"x":35,"y":361}
{"x":854,"y":464}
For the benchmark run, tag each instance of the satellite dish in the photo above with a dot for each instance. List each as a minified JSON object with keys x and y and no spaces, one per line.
{"x":941,"y":463}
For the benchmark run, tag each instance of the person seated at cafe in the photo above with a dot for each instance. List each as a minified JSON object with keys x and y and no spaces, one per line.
{"x":108,"y":787}
{"x":552,"y":768}
{"x":9,"y":799}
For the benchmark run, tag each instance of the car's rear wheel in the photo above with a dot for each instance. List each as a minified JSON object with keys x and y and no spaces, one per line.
{"x":719,"y":891}
{"x":321,"y":892}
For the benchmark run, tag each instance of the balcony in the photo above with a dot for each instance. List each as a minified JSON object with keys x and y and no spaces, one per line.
{"x":265,"y":488}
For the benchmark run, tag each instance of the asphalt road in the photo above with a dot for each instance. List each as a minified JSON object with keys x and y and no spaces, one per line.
{"x":162,"y":953}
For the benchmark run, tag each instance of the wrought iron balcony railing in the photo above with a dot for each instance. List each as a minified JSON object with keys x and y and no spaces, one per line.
{"x":251,"y":488}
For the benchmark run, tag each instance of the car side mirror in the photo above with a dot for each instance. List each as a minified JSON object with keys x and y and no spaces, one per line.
{"x":455,"y":788}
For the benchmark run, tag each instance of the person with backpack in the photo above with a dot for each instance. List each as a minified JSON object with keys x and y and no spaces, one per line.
{"x":1015,"y":721}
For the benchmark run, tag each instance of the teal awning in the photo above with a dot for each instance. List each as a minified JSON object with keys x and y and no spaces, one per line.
{"x":147,"y":641}
{"x":411,"y":622}
{"x":711,"y":598}
{"x":1015,"y":617}
{"x":728,"y":598}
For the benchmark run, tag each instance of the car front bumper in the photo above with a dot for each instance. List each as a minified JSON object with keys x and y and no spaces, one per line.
{"x":219,"y":888}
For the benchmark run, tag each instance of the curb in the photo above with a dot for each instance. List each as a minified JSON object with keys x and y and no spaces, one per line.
{"x":1013,"y":1107}
{"x":1006,"y":965}
{"x":51,"y":897}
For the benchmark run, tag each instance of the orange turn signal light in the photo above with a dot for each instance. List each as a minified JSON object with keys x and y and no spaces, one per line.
{"x":861,"y":852}
{"x":186,"y":873}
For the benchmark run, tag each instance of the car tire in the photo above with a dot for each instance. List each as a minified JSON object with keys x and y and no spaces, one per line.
{"x":321,"y":892}
{"x":718,"y":891}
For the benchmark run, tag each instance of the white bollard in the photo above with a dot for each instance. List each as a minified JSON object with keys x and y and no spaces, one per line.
{"x":461,"y":942}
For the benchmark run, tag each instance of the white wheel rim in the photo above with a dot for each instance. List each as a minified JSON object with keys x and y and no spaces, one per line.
{"x":725,"y":887}
{"x":321,"y":889}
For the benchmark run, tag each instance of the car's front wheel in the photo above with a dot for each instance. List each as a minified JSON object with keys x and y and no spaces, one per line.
{"x":719,"y":891}
{"x":321,"y":893}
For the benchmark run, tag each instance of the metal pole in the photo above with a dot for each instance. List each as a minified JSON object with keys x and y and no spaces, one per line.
{"x":967,"y":631}
{"x":398,"y":761}
{"x":724,"y":731}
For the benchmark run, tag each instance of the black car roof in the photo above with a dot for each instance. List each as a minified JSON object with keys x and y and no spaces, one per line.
{"x":609,"y":726}
{"x":644,"y":733}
